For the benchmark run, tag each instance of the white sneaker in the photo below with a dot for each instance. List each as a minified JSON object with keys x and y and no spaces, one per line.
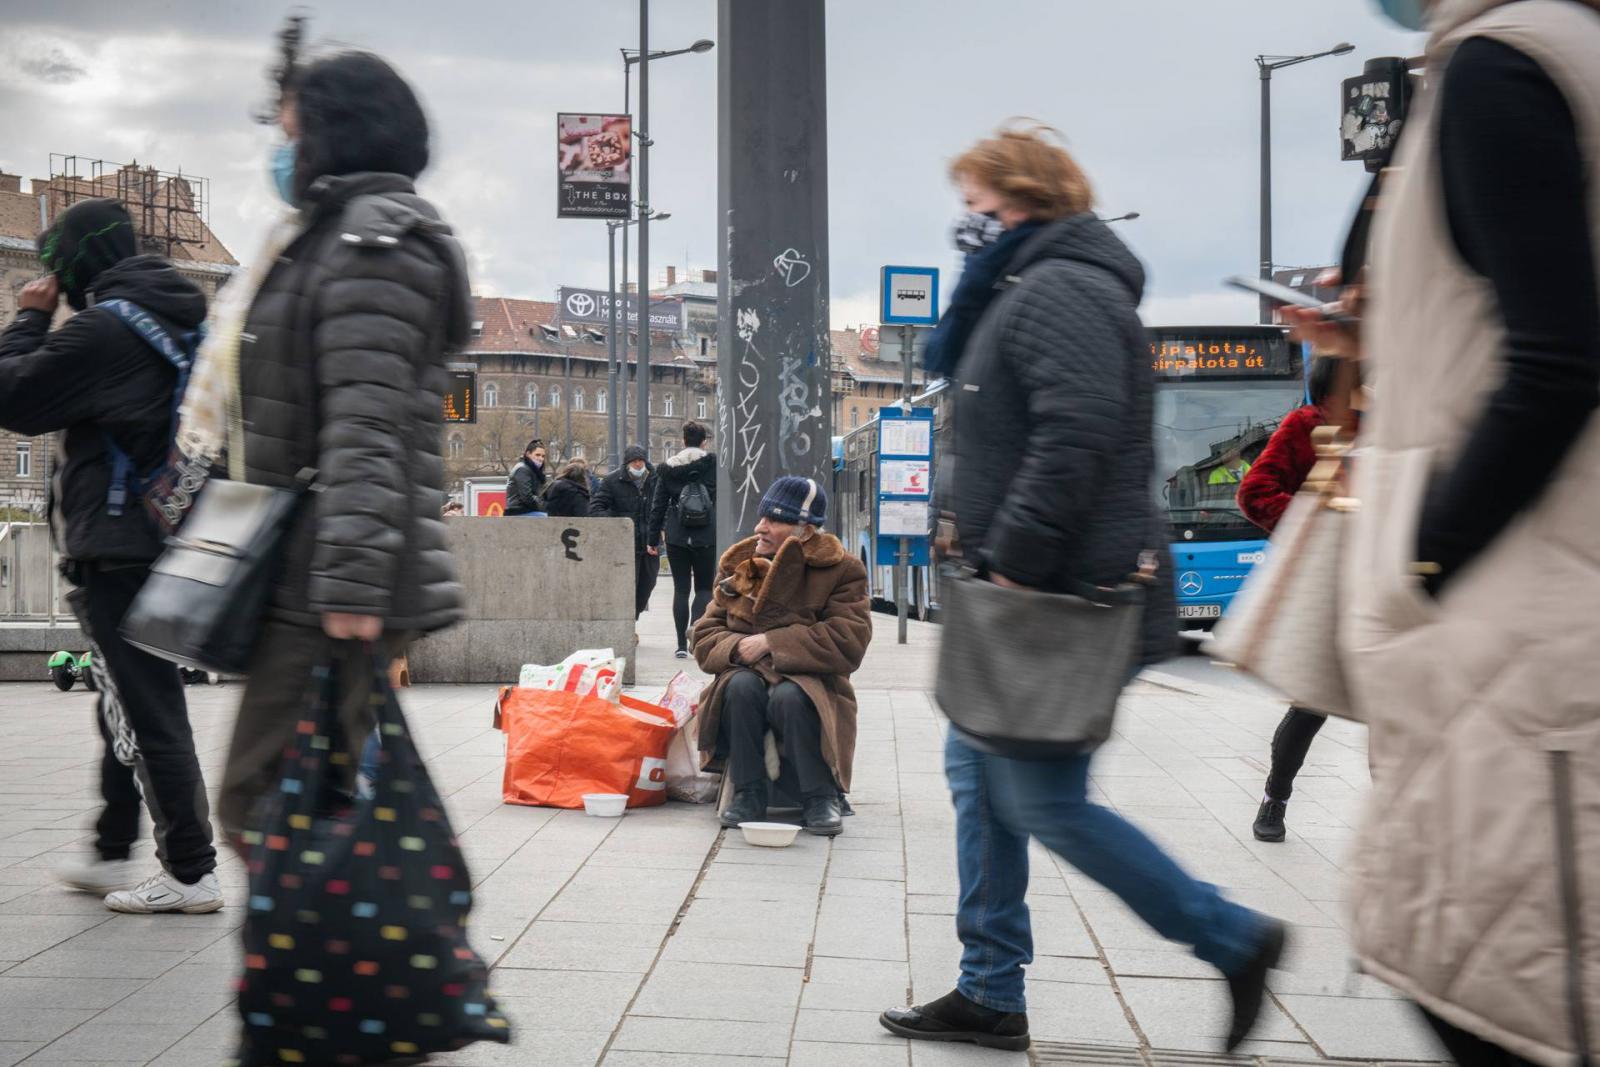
{"x":162,"y":892}
{"x":100,"y":877}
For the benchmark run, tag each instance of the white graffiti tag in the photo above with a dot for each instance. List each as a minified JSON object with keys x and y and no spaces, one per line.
{"x":793,"y":266}
{"x":792,"y":397}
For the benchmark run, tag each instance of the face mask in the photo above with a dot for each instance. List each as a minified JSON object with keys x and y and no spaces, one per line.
{"x":640,"y":472}
{"x":976,"y":230}
{"x":283,"y":163}
{"x":1412,"y":14}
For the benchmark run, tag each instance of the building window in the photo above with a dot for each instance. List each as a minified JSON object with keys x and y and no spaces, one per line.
{"x":577,"y":450}
{"x":491,"y":395}
{"x":705,"y":346}
{"x":855,"y":416}
{"x":699,"y":407}
{"x":24,"y":460}
{"x":601,"y":399}
{"x":666,"y":405}
{"x":533,"y":396}
{"x":577,"y":399}
{"x":457,"y":446}
{"x":555,"y":397}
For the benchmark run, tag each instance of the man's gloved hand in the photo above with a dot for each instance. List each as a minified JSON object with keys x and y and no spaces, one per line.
{"x":41,"y":294}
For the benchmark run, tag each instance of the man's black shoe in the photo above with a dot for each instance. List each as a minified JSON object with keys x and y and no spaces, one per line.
{"x":955,"y":1018}
{"x":747,"y":805}
{"x":823,"y":817}
{"x":1248,"y":985}
{"x":1269,"y":820}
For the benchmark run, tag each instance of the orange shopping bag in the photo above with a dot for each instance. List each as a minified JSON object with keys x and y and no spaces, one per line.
{"x":561,"y":745}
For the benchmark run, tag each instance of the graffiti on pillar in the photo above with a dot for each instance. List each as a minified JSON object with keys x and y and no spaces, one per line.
{"x":792,"y":266}
{"x":748,"y":430}
{"x":794,"y":404}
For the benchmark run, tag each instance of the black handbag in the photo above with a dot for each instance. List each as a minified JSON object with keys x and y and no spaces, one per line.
{"x":1030,"y":674}
{"x":355,"y":938}
{"x":205,"y":598}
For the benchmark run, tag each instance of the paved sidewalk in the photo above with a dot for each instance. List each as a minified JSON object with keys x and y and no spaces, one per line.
{"x":656,"y":940}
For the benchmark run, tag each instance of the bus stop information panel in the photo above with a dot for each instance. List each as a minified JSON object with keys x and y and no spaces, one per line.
{"x":905,"y":483}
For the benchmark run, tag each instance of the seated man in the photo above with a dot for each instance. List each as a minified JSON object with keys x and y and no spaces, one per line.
{"x":788,"y":624}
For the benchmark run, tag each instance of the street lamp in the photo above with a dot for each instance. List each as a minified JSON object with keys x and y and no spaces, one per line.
{"x":615,"y":409}
{"x":642,"y":56}
{"x":1266,"y":65}
{"x":1129,"y":217}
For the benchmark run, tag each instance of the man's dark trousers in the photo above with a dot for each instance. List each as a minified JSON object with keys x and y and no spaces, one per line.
{"x":749,"y":710}
{"x":145,"y":723}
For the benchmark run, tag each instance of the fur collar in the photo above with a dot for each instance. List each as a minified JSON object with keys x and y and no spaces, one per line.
{"x":787,"y":575}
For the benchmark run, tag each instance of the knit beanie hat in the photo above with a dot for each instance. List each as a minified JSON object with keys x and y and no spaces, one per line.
{"x":633,"y":452}
{"x":795,"y":499}
{"x":86,"y":240}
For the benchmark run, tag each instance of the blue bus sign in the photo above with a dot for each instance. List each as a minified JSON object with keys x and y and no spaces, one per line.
{"x":910,"y":296}
{"x":905,"y":483}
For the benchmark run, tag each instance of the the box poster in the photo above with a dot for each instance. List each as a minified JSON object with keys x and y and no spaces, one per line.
{"x":594,"y":178}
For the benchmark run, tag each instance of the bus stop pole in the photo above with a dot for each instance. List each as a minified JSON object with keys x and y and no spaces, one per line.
{"x":902,"y":571}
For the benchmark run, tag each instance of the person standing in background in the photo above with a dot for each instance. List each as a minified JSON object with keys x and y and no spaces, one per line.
{"x":626,"y":493}
{"x":525,"y":488}
{"x":568,"y":496}
{"x":688,"y":518}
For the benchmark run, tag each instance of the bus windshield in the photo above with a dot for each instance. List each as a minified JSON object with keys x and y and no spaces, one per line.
{"x":1207,"y":435}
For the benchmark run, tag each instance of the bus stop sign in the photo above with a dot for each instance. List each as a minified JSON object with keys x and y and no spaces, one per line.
{"x":910,"y":296}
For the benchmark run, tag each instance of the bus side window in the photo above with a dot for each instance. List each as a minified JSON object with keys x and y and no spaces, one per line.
{"x":861,"y":490}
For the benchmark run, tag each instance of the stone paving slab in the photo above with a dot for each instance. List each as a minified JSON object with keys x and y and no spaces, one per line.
{"x":658,"y":939}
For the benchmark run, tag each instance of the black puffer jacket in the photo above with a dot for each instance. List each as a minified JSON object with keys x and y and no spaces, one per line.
{"x":1053,"y":447}
{"x":690,"y":465}
{"x":525,"y":489}
{"x":622,"y":496}
{"x":95,"y":376}
{"x":567,"y":498}
{"x":342,"y":368}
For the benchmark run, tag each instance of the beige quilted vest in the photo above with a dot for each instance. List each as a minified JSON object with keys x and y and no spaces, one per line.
{"x":1476,"y":884}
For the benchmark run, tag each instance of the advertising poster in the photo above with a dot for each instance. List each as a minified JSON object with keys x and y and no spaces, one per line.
{"x":594,"y":154}
{"x":905,"y":477}
{"x":1371,"y":114}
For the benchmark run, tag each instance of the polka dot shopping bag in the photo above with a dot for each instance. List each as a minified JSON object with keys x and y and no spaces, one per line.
{"x":355,"y":939}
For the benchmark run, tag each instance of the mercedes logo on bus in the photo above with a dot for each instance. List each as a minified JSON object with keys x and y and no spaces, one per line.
{"x":1189,"y":583}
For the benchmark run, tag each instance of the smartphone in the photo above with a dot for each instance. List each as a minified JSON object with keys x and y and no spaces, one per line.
{"x":1282,"y":294}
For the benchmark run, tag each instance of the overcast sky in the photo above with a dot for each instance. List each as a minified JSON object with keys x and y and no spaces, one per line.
{"x":1157,"y":98}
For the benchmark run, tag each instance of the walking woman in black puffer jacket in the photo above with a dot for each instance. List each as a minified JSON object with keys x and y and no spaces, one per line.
{"x":342,"y":371}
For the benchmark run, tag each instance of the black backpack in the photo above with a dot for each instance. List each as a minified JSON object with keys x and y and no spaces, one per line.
{"x":694,"y":505}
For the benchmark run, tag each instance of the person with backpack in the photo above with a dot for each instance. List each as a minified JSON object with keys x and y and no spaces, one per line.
{"x":627,"y":493}
{"x":111,"y":378}
{"x":685,"y":508}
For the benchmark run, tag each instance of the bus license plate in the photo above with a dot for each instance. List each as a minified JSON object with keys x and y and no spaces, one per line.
{"x":1199,"y":611}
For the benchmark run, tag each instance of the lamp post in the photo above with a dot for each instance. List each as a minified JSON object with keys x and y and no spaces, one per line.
{"x":1129,"y":217}
{"x":642,"y":55}
{"x":615,"y":409}
{"x":1266,"y":65}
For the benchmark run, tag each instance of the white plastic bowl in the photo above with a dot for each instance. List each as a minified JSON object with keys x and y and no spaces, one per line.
{"x":605,"y":805}
{"x":769,"y":834}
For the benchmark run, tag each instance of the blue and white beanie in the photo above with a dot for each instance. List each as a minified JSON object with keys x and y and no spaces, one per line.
{"x":794,"y":499}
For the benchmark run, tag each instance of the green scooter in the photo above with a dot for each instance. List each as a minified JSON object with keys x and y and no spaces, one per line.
{"x":66,"y":669}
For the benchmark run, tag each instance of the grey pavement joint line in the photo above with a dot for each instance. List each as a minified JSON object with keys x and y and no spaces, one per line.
{"x":655,"y":961}
{"x":1105,"y":961}
{"x":553,"y":896}
{"x":811,"y":946}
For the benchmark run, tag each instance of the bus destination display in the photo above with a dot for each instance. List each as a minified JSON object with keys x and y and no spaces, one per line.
{"x":1223,"y":355}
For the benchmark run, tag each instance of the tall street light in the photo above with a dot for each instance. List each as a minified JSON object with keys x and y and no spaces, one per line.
{"x":642,"y":56}
{"x":1266,"y":65}
{"x":615,"y":408}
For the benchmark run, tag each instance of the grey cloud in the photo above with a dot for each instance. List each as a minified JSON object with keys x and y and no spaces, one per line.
{"x":54,"y":67}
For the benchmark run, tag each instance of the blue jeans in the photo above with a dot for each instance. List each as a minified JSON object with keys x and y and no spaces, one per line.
{"x":1002,"y":802}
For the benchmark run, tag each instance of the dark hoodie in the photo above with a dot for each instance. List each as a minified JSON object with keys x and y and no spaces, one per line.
{"x":1053,"y":446}
{"x":93,"y":377}
{"x":690,"y":465}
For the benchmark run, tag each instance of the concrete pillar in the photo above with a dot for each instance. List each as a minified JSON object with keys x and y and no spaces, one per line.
{"x":774,"y":399}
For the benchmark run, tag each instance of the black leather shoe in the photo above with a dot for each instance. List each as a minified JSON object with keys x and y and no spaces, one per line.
{"x":823,"y":817}
{"x":955,"y":1018}
{"x":1269,"y":821}
{"x":747,"y":805}
{"x":1248,"y":985}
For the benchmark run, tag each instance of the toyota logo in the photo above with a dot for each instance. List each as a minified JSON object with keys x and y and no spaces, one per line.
{"x":1189,"y":583}
{"x":581,"y":305}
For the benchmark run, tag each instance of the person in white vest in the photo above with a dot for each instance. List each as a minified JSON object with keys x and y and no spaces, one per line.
{"x":1470,"y":630}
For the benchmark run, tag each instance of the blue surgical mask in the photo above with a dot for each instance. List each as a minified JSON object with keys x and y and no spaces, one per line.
{"x":283,"y":164}
{"x":1412,"y":14}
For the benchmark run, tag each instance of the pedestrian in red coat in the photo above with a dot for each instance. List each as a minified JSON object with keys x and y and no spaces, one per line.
{"x":1263,"y":495}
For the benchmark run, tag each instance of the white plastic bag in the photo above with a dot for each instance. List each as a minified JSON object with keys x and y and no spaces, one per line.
{"x":590,"y":670}
{"x":685,"y":780}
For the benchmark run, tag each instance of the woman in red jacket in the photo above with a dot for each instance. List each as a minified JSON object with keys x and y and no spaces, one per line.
{"x":1263,"y":495}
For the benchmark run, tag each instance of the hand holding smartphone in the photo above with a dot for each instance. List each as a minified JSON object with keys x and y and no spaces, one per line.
{"x":1287,"y":297}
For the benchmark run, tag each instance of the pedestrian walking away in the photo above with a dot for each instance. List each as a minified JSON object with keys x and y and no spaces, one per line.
{"x":690,"y":528}
{"x":526,"y":485}
{"x":788,"y":625}
{"x":1469,"y":634}
{"x":1050,"y":489}
{"x":119,"y":431}
{"x":627,"y":493}
{"x":567,"y":496}
{"x":1263,"y":495}
{"x":341,"y":370}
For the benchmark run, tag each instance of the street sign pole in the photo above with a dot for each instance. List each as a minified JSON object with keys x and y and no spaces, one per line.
{"x":902,"y":574}
{"x":908,"y":296}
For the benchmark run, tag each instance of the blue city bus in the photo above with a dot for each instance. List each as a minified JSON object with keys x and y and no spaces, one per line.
{"x":1220,"y":392}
